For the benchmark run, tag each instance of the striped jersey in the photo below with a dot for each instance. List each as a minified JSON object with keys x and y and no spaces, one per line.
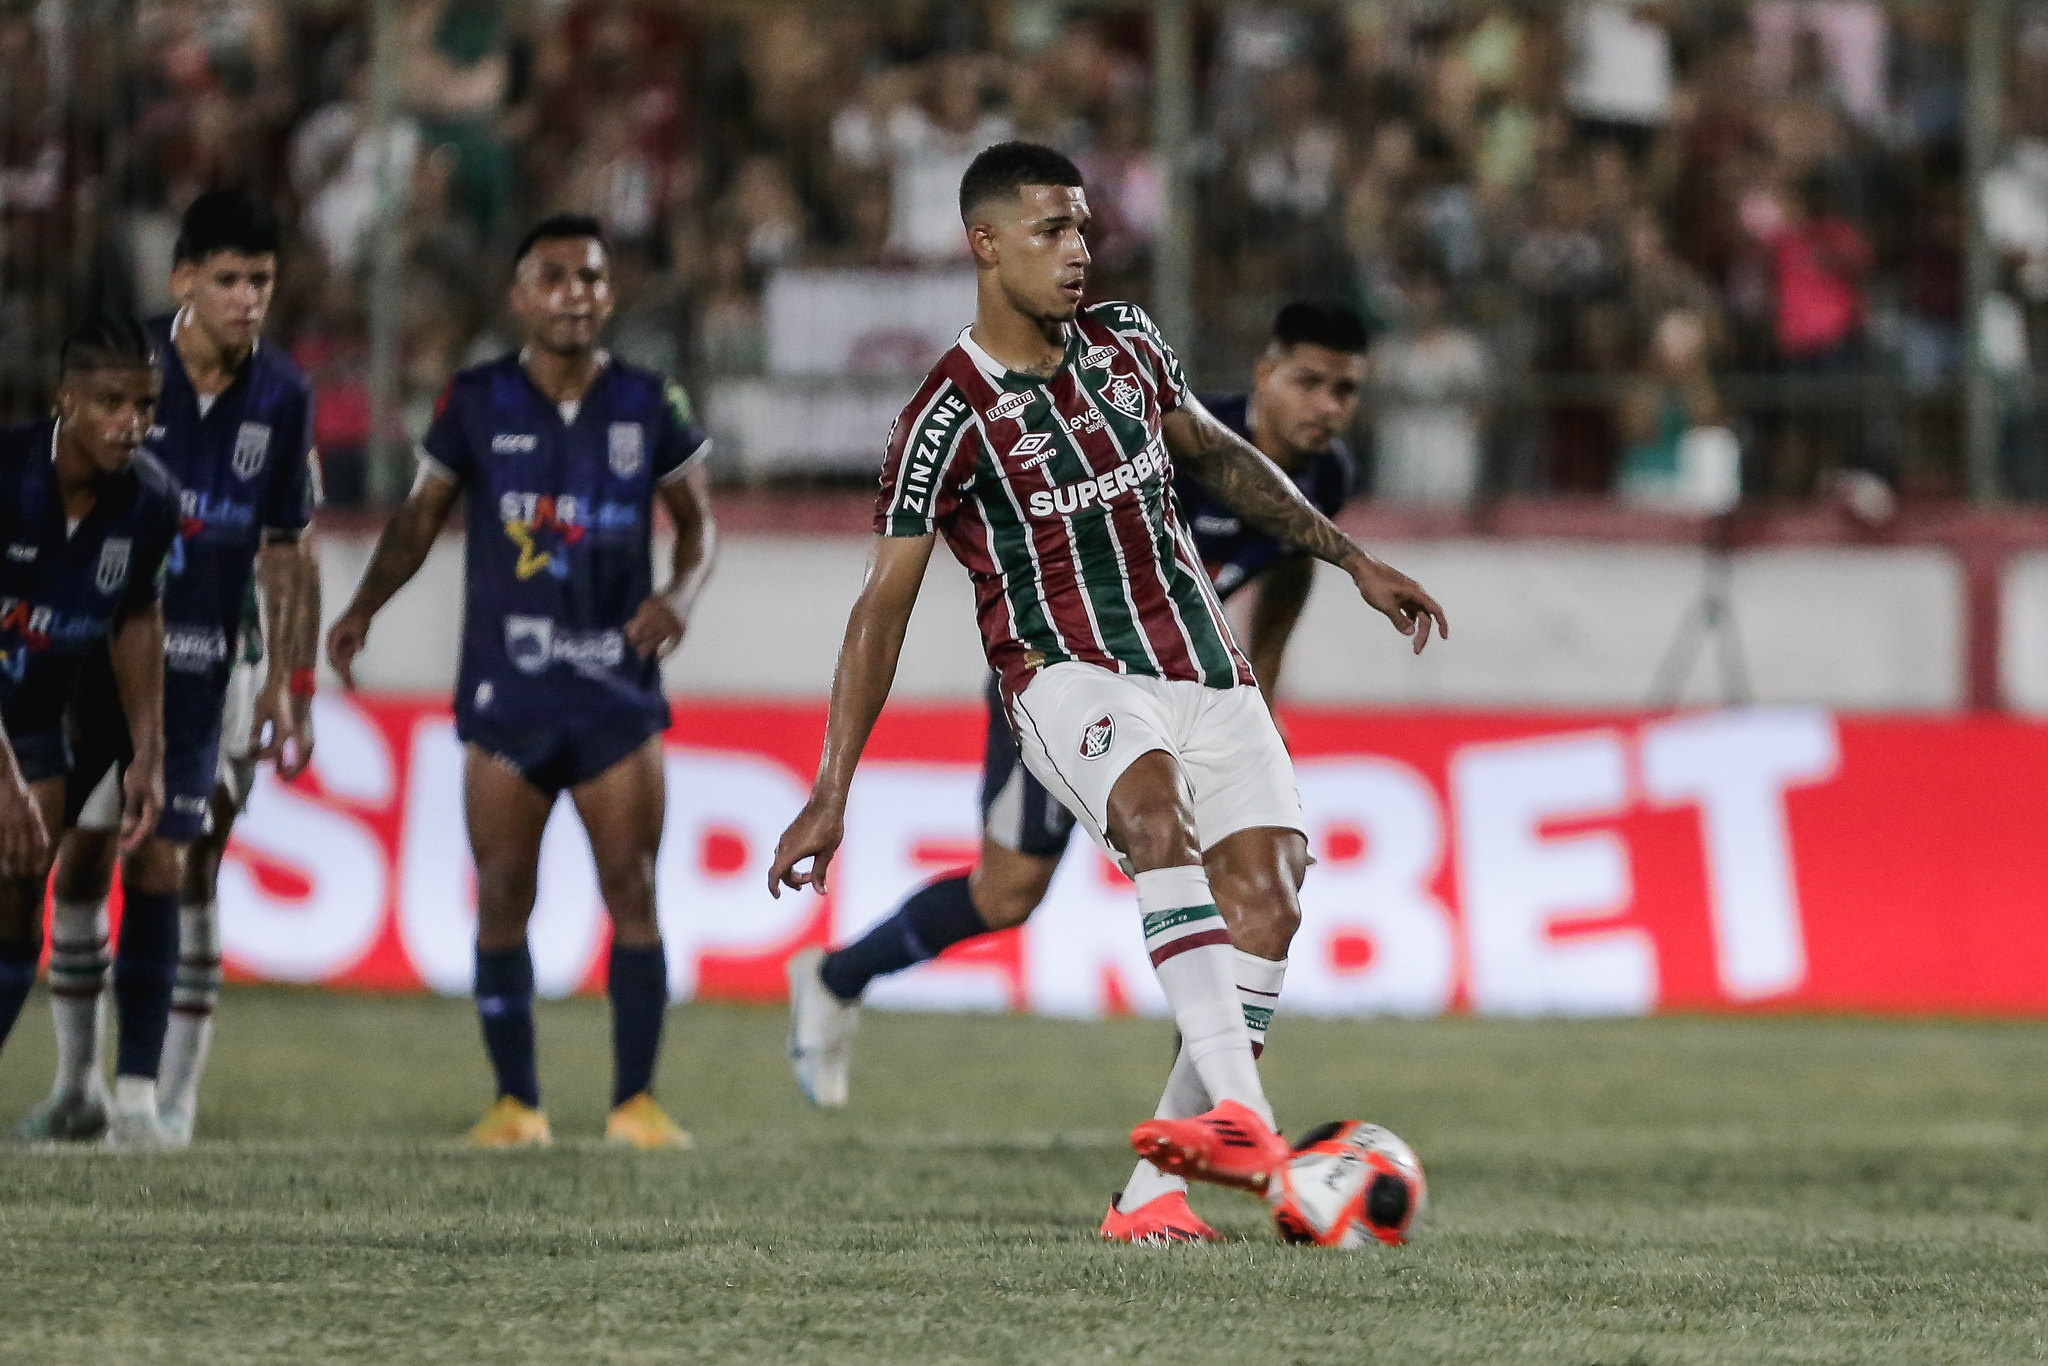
{"x":1057,"y":496}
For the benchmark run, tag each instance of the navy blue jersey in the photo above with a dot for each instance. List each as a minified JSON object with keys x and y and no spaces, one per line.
{"x":62,"y":592}
{"x":1233,"y":552}
{"x":244,"y":465}
{"x":560,"y":537}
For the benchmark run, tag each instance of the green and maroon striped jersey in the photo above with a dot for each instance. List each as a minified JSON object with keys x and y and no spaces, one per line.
{"x":1057,"y":496}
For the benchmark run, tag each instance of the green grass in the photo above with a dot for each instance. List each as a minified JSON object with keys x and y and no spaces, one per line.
{"x":1669,"y":1191}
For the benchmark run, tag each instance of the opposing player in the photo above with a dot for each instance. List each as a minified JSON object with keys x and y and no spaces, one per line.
{"x":234,"y":427}
{"x":87,"y":519}
{"x":563,"y":451}
{"x":1043,"y":445}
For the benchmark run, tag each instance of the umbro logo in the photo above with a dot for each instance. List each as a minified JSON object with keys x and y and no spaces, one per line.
{"x":1009,"y":405}
{"x":1033,"y":448}
{"x":514,"y":443}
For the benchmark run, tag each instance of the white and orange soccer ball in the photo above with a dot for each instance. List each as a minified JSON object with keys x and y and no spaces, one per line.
{"x":1348,"y":1183}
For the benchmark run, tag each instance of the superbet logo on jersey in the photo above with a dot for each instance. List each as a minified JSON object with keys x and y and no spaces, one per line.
{"x":1064,"y":500}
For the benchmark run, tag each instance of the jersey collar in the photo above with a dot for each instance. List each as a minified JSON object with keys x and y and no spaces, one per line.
{"x":1000,"y":374}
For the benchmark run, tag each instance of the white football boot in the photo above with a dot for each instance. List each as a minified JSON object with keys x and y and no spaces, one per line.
{"x":821,"y":1028}
{"x":132,"y":1121}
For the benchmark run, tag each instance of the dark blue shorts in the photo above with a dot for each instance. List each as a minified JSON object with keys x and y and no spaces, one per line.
{"x":1016,"y":810}
{"x":558,"y":757}
{"x":97,"y":730}
{"x":40,"y":754}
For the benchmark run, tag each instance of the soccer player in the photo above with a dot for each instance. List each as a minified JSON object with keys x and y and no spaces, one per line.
{"x":563,"y":450}
{"x":87,"y":519}
{"x":1043,"y":444}
{"x":1304,"y":394}
{"x":234,"y":427}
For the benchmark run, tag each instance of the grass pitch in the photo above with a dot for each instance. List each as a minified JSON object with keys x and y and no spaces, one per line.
{"x":1668,"y":1191}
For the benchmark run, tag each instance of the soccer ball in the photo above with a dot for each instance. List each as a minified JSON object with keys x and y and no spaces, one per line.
{"x":1348,"y":1182}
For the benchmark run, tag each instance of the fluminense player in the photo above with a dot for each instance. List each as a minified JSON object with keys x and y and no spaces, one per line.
{"x":234,"y":427}
{"x":563,"y":451}
{"x":87,"y":519}
{"x":1043,"y":445}
{"x":1304,"y":394}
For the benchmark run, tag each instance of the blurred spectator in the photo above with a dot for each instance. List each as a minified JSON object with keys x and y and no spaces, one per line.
{"x":1819,"y":260}
{"x":1671,"y":395}
{"x":1427,"y":386}
{"x":457,"y":79}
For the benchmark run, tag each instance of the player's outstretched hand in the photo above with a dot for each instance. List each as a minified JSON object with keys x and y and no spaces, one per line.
{"x":24,"y":842}
{"x":655,"y":629}
{"x":1400,"y":599}
{"x":813,"y":835}
{"x":142,"y":802}
{"x":345,"y":641}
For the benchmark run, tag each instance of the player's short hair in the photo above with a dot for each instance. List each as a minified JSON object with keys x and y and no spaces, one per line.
{"x":559,"y":227}
{"x":1332,"y":326}
{"x":225,"y":220}
{"x":1007,"y":168}
{"x":109,"y":341}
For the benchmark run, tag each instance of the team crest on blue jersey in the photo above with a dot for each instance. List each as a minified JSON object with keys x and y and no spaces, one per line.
{"x":113,"y":567}
{"x":627,"y":448}
{"x":1126,"y":397}
{"x":252,"y":442}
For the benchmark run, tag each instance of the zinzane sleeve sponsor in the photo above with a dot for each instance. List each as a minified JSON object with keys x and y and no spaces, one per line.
{"x":444,"y":450}
{"x":681,"y":444}
{"x":928,"y":437}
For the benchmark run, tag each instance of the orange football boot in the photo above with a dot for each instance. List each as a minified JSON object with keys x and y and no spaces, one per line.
{"x":1228,"y":1146}
{"x":1162,"y":1219}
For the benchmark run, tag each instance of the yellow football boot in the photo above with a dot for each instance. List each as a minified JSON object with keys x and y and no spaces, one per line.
{"x":644,"y":1124}
{"x":512,"y":1123}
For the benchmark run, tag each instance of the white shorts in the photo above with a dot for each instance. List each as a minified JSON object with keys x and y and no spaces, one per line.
{"x":1080,"y":726}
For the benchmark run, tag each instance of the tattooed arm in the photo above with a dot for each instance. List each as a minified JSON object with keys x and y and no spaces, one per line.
{"x":1235,"y":471}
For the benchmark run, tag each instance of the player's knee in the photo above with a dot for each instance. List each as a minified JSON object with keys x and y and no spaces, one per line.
{"x":156,"y":867}
{"x":628,"y":891}
{"x":504,"y":891}
{"x":1260,"y":906}
{"x":85,"y":867}
{"x":1156,"y":835}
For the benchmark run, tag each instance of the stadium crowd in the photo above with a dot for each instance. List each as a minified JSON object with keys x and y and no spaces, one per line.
{"x":1579,"y":231}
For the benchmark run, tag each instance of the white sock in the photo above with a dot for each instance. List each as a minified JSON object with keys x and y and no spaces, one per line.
{"x":1258,"y":992}
{"x":1191,"y":952}
{"x":193,"y":997}
{"x":78,"y":980}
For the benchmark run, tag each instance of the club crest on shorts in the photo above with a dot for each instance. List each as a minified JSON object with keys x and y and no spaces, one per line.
{"x":113,"y":567}
{"x":627,"y":446}
{"x":1126,"y":397}
{"x":252,"y":441}
{"x":1095,"y":740}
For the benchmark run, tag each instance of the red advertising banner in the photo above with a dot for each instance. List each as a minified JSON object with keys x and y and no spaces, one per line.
{"x":1507,"y":865}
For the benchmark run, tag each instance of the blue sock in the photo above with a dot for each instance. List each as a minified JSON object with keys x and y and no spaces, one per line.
{"x":145,"y":968}
{"x":504,"y":1003}
{"x":937,"y":916}
{"x":639,"y":991}
{"x":17,"y":974}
